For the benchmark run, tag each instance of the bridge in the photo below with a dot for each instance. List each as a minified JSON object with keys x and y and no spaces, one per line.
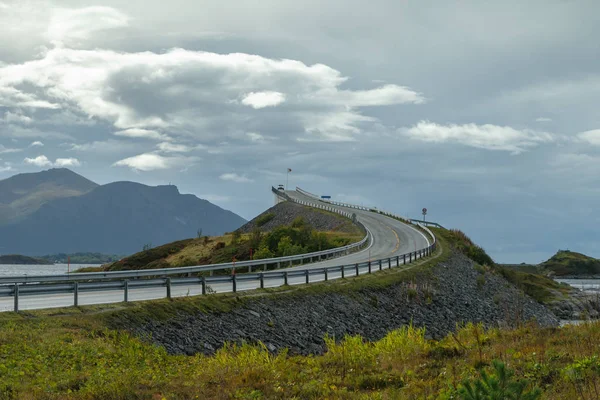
{"x":390,"y":241}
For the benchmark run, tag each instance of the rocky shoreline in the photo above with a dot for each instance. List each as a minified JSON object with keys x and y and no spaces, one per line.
{"x":454,"y":292}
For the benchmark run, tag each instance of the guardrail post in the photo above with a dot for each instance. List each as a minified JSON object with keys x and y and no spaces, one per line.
{"x":369,"y":266}
{"x":16,"y":309}
{"x":285,"y":278}
{"x":203,"y":283}
{"x":397,"y":261}
{"x":409,"y":258}
{"x":356,"y":269}
{"x":380,"y":266}
{"x":126,"y":291}
{"x":262,"y":280}
{"x":307,"y":276}
{"x":265,"y":267}
{"x":249,"y":268}
{"x":234,"y":283}
{"x":343,"y":276}
{"x":278,"y":264}
{"x":76,"y":294}
{"x":389,"y":263}
{"x":168,"y":288}
{"x":404,"y":262}
{"x":211,"y":272}
{"x":326,"y":274}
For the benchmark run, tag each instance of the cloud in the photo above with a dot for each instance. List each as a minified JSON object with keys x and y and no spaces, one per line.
{"x":151,"y":162}
{"x":37,"y":143}
{"x":17,"y":117}
{"x":259,"y":100}
{"x":489,"y":137}
{"x":173,"y":148}
{"x":6,"y":167}
{"x":43,"y":161}
{"x":592,"y":137}
{"x":69,"y":26}
{"x":5,"y":150}
{"x":142,"y":133}
{"x":194,"y":93}
{"x":233,"y":177}
{"x":39,"y":161}
{"x":543,"y":119}
{"x":67,"y":162}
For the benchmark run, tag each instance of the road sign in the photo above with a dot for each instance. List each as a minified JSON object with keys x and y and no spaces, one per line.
{"x":424,"y":211}
{"x":325,"y":197}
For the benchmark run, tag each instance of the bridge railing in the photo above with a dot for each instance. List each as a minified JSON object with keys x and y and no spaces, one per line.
{"x":170,"y":278}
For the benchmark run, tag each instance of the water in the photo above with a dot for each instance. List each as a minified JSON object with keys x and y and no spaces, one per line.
{"x":56,"y":269}
{"x":586,"y":285}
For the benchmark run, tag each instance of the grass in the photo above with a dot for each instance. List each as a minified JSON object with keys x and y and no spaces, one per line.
{"x":79,"y":358}
{"x":566,"y":262}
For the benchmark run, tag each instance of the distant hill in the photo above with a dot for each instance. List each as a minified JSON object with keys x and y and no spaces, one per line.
{"x":117,"y":218}
{"x":17,"y":259}
{"x":23,"y":194}
{"x":570,"y":263}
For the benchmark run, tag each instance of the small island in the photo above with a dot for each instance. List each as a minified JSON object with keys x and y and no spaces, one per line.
{"x":17,"y":259}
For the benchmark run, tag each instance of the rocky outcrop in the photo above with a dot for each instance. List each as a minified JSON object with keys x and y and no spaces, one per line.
{"x":454,"y":292}
{"x":285,"y":213}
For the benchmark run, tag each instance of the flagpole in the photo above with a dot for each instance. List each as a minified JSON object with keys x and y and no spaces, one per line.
{"x":286,"y":177}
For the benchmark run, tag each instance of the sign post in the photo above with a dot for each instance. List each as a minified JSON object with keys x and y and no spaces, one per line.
{"x":424,"y":211}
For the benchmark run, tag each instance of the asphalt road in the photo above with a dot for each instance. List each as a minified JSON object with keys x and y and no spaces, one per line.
{"x":391,"y":238}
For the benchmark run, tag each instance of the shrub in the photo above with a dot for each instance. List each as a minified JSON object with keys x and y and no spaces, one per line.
{"x":264,"y":219}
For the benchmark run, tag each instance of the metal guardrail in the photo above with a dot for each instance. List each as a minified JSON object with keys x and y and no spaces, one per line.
{"x":118,"y":280}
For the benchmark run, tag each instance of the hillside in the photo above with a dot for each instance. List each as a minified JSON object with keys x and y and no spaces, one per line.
{"x":570,"y":263}
{"x":117,"y":218}
{"x":17,"y":259}
{"x":299,"y":236}
{"x":23,"y":194}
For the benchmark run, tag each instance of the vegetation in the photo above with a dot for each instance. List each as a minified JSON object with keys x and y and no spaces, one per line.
{"x":264,"y":219}
{"x":297,"y":238}
{"x":82,"y":258}
{"x":24,"y":260}
{"x":538,"y":286}
{"x":566,"y":262}
{"x":63,"y":354}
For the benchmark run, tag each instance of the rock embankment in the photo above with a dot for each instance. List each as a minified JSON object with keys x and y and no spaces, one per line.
{"x":285,"y":213}
{"x":454,"y":293}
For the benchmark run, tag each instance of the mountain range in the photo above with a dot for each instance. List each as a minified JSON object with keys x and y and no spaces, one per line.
{"x":59,"y":211}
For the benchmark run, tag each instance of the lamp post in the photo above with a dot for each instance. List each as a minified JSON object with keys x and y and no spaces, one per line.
{"x":286,"y":177}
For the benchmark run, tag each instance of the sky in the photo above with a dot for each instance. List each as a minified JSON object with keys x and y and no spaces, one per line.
{"x":485,"y":113}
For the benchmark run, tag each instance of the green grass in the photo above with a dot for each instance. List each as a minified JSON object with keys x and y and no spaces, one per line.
{"x":566,"y":262}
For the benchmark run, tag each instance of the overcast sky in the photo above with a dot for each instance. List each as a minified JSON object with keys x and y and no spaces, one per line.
{"x":486,"y":113}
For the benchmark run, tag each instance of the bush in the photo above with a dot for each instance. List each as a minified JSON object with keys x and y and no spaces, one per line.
{"x":264,"y":219}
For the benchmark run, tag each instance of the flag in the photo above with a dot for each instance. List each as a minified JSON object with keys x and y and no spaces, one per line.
{"x":289,"y":170}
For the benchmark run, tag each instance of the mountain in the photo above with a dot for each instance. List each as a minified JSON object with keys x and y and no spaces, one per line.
{"x":117,"y":218}
{"x":23,"y":194}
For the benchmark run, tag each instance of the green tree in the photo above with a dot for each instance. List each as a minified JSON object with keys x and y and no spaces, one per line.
{"x":498,"y":386}
{"x":262,"y":253}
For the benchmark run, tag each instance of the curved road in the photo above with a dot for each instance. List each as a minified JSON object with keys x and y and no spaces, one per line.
{"x":390,"y":238}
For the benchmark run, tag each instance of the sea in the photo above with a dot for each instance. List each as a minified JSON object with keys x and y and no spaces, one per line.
{"x":585,"y":285}
{"x":56,"y":269}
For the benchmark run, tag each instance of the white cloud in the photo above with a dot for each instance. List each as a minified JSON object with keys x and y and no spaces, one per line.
{"x":233,"y":177}
{"x":6,"y":167}
{"x":16,"y":117}
{"x":43,"y":161}
{"x":193,"y":93}
{"x":144,"y":162}
{"x":489,"y":137}
{"x":37,"y":143}
{"x":543,"y":119}
{"x":173,"y":148}
{"x":592,"y":137}
{"x":39,"y":161}
{"x":152,"y":161}
{"x":4,"y":150}
{"x":259,"y":100}
{"x":67,"y":162}
{"x":142,"y":133}
{"x":73,"y":25}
